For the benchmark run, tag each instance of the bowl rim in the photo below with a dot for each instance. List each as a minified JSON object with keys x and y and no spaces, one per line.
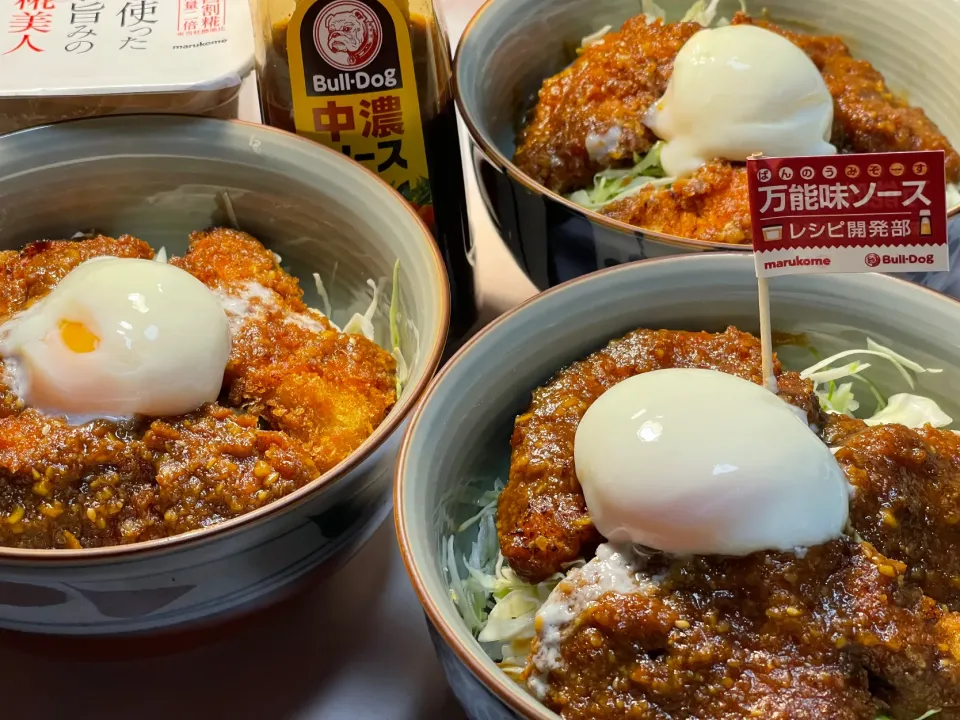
{"x":394,"y":419}
{"x":496,"y":681}
{"x":512,"y":171}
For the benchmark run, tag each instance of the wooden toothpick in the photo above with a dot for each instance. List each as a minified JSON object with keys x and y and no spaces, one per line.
{"x":766,"y":337}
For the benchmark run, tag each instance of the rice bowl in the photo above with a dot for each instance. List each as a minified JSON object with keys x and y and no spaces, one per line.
{"x":555,"y":239}
{"x":444,"y":489}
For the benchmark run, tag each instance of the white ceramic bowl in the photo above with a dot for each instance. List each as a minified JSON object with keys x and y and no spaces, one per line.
{"x":460,"y":433}
{"x":160,"y":177}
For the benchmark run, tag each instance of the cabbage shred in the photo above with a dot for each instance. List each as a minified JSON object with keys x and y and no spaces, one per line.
{"x":618,"y":183}
{"x":907,"y":409}
{"x":499,"y":607}
{"x":362,"y":323}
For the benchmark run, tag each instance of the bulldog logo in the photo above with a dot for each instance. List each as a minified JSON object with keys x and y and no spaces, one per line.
{"x":348,"y":35}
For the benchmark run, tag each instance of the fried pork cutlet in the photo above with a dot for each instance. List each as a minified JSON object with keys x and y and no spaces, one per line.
{"x":712,"y":205}
{"x":73,"y":486}
{"x":590,"y":115}
{"x":30,"y":274}
{"x":327,"y":389}
{"x":224,"y":259}
{"x":867,"y":116}
{"x":833,"y":634}
{"x":907,"y":501}
{"x":837,"y":428}
{"x":542,"y":519}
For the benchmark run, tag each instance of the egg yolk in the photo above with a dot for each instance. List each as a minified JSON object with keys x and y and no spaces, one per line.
{"x":78,"y":337}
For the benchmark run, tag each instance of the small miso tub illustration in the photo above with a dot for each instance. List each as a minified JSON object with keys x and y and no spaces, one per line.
{"x":773,"y":233}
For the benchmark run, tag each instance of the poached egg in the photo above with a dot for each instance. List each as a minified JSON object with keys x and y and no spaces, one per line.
{"x":119,"y":337}
{"x":698,"y":462}
{"x":737,"y":91}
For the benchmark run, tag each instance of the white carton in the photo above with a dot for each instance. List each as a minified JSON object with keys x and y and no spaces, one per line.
{"x":62,"y":59}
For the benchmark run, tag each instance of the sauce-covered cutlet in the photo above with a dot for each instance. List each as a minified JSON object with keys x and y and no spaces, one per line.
{"x":31,"y":273}
{"x":225,"y":260}
{"x":590,"y":115}
{"x":837,"y":428}
{"x":868,"y":117}
{"x":542,"y":519}
{"x":907,"y":501}
{"x":780,"y":636}
{"x":83,"y":486}
{"x":711,"y":205}
{"x":327,"y":389}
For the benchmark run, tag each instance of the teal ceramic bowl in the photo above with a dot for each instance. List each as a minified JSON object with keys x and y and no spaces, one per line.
{"x":459,"y":437}
{"x":159,"y":178}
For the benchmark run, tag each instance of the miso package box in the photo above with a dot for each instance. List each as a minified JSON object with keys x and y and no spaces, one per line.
{"x":64,"y":59}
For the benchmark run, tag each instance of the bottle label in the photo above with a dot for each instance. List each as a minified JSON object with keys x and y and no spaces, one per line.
{"x":354,"y":89}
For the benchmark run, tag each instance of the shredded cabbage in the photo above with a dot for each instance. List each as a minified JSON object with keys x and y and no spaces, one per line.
{"x":618,"y":183}
{"x":161,"y":256}
{"x":395,"y":307}
{"x":324,"y":297}
{"x":903,"y":408}
{"x":702,"y":12}
{"x":403,"y":371}
{"x":953,"y":195}
{"x":595,"y":38}
{"x":498,"y":607}
{"x":910,"y":410}
{"x":928,"y":714}
{"x":906,"y":362}
{"x":472,"y":596}
{"x":652,"y":10}
{"x":228,"y":208}
{"x":362,"y":324}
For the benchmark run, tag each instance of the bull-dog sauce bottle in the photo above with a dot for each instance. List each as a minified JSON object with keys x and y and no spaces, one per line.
{"x":372,"y":79}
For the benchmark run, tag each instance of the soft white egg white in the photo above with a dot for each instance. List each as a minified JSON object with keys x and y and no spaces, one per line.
{"x":737,"y":91}
{"x":118,"y":337}
{"x":700,"y":462}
